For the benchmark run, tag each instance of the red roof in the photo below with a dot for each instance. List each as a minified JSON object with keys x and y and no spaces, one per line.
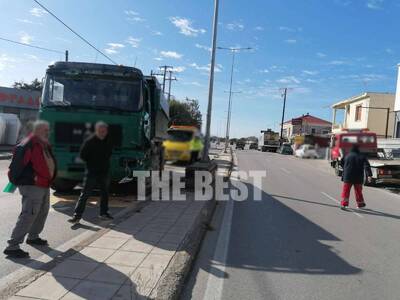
{"x":309,"y":119}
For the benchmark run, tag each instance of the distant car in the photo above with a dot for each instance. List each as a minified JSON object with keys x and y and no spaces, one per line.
{"x":240,"y":146}
{"x":253,"y":146}
{"x":306,"y":151}
{"x":286,"y":149}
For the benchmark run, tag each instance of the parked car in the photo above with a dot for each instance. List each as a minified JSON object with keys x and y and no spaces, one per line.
{"x":306,"y":151}
{"x":285,"y":148}
{"x":253,"y":146}
{"x":240,"y":146}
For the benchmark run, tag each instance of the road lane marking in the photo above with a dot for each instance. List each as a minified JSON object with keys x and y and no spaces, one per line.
{"x":286,"y":171}
{"x":338,"y":202}
{"x":215,"y":283}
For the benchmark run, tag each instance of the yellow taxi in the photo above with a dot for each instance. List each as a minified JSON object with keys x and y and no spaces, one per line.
{"x":183,"y":143}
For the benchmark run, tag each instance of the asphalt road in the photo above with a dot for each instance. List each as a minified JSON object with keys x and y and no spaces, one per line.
{"x":296,"y":243}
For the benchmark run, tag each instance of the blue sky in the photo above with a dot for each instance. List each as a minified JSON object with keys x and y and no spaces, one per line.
{"x":324,"y":50}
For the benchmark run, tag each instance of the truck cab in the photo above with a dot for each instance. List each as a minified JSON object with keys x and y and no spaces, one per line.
{"x":77,"y":95}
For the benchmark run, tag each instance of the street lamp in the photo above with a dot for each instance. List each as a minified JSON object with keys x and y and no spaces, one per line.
{"x":233,"y":51}
{"x":228,"y":120}
{"x":211,"y":83}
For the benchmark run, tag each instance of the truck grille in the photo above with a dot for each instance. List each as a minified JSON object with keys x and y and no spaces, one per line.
{"x":75,"y":133}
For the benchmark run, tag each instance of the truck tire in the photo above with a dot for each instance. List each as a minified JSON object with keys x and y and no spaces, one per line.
{"x":63,"y":185}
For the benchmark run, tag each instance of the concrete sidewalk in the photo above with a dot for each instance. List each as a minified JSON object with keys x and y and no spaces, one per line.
{"x":134,"y":259}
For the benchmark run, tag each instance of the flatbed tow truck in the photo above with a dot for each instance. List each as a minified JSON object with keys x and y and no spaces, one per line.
{"x":385,"y":165}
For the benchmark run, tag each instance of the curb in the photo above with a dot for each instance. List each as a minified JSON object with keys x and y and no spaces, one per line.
{"x":171,"y":283}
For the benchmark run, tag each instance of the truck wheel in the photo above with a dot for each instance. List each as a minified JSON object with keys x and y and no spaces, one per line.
{"x":63,"y":185}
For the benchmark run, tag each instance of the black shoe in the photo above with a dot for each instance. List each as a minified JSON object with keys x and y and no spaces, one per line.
{"x":106,"y":216}
{"x":74,"y":220}
{"x":361,"y":205}
{"x":37,"y":242}
{"x":17,"y":253}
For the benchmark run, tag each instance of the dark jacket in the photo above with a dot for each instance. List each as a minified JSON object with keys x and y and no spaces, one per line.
{"x":355,"y":166}
{"x":28,"y":165}
{"x":96,"y":154}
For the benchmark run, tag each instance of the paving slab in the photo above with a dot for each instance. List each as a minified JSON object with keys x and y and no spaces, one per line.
{"x":111,"y":273}
{"x":48,"y":287}
{"x":91,"y":254}
{"x":92,"y":290}
{"x":109,"y":242}
{"x":127,"y":258}
{"x":74,"y":269}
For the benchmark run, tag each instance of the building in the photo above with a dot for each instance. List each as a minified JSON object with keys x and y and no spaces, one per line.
{"x":397,"y":106}
{"x":23,"y":103}
{"x":373,"y":111}
{"x":306,"y":125}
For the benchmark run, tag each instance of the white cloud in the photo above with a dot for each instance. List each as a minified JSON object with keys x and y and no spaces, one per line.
{"x":337,"y":62}
{"x":113,"y":48}
{"x":289,"y":29}
{"x":264,"y":71}
{"x":178,"y":69}
{"x":203,"y":47}
{"x":185,"y":26}
{"x":375,"y":4}
{"x":321,"y":55}
{"x":32,"y":57}
{"x":235,"y":26}
{"x":218,"y":67}
{"x":171,"y":54}
{"x":291,"y":41}
{"x":312,"y":73}
{"x":134,"y":42}
{"x":131,"y":13}
{"x":133,"y":16}
{"x":389,"y":51}
{"x":6,"y":61}
{"x":259,"y":28}
{"x":155,"y":32}
{"x":158,"y":58}
{"x":25,"y":38}
{"x":288,"y":79}
{"x":26,"y":21}
{"x":38,"y":12}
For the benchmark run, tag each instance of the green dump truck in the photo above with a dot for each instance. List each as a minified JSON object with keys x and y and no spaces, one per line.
{"x":77,"y":95}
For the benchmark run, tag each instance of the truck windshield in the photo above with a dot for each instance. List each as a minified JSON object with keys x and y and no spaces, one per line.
{"x":180,"y":136}
{"x":92,"y":92}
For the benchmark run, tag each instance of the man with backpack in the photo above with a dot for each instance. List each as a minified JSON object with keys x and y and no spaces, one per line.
{"x":32,"y":170}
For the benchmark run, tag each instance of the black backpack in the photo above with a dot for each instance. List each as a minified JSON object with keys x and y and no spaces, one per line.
{"x":19,"y":173}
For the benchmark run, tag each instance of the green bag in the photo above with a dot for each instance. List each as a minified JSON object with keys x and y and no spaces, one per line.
{"x":10,"y":188}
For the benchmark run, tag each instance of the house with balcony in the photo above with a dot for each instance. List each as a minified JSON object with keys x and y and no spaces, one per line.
{"x":373,"y":111}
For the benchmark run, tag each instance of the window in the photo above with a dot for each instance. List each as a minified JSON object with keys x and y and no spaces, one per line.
{"x":313,"y":130}
{"x":358,"y":113}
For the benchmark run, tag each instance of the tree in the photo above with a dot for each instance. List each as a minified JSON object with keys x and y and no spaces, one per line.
{"x":185,"y":113}
{"x":35,"y":85}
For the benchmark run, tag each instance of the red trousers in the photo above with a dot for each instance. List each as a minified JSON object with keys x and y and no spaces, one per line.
{"x":346,"y":193}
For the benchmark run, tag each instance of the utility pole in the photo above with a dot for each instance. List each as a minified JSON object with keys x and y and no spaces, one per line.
{"x":228,"y":120}
{"x":233,"y":51}
{"x":170,"y":79}
{"x":164,"y":74}
{"x":211,"y":83}
{"x":283,"y":112}
{"x":66,"y":55}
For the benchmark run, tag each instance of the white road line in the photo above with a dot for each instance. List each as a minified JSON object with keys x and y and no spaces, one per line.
{"x":286,"y":171}
{"x":215,"y":284}
{"x":338,"y":202}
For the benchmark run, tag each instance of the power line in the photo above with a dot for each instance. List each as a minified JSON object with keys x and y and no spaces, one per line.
{"x":29,"y":45}
{"x":74,"y":32}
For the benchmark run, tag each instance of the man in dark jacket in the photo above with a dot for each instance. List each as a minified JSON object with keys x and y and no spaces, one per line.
{"x":32,"y":170}
{"x":355,"y":166}
{"x":96,"y":153}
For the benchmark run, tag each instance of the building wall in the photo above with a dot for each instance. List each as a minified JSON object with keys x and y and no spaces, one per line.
{"x":377,"y":118}
{"x":350,"y":115}
{"x":290,"y":131}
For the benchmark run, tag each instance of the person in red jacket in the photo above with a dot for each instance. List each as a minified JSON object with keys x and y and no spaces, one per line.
{"x":32,"y":170}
